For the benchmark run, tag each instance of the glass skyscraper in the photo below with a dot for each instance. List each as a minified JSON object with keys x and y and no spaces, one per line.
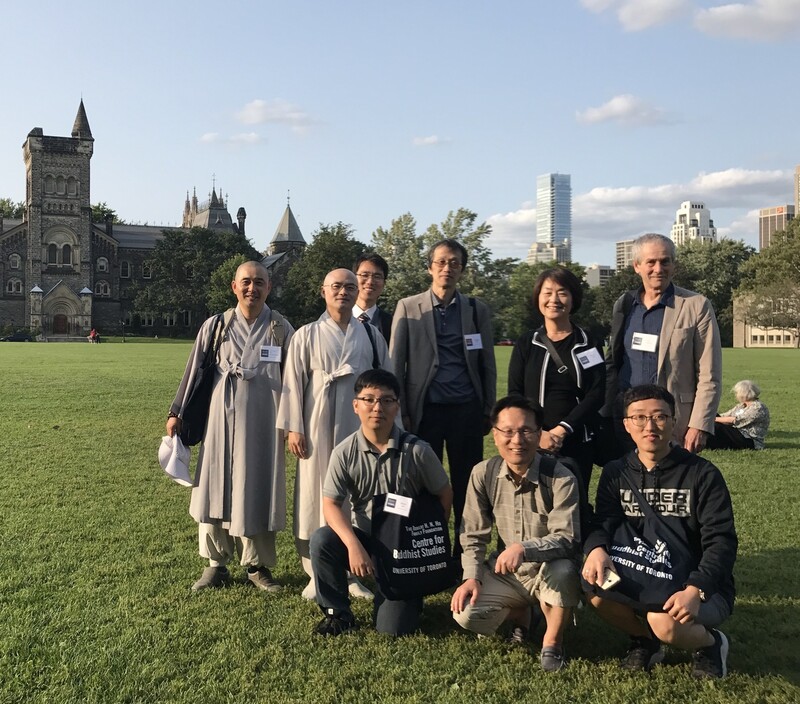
{"x":554,"y":211}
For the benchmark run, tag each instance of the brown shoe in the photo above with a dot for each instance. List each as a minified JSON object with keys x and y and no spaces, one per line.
{"x":262,"y":579}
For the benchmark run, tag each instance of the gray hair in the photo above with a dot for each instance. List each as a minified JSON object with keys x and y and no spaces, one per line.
{"x":746,"y":390}
{"x":651,"y":237}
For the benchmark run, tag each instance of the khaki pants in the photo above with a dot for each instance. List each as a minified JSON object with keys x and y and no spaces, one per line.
{"x":219,"y":547}
{"x":556,"y":583}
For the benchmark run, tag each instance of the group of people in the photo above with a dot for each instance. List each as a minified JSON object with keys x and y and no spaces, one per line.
{"x":368,"y":403}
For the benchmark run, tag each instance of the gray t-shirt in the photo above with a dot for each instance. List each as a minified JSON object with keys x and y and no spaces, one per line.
{"x":359,"y":472}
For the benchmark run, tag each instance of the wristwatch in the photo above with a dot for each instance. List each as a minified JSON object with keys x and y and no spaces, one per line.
{"x":702,"y":595}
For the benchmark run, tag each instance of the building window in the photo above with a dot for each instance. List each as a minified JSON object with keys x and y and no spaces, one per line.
{"x":52,"y":254}
{"x":72,"y":186}
{"x":169,"y":319}
{"x":102,"y":264}
{"x":187,"y":318}
{"x":14,"y":286}
{"x":125,"y":270}
{"x":147,"y":271}
{"x":753,"y":339}
{"x":771,"y":339}
{"x":49,"y":184}
{"x":14,"y":261}
{"x":101,"y":288}
{"x":61,"y":185}
{"x":66,"y":255}
{"x":148,"y":320}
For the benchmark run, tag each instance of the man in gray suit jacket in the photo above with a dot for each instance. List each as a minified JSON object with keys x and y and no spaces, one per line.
{"x":665,"y":335}
{"x":442,"y":350}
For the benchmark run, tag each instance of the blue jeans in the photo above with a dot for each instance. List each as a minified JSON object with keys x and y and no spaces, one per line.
{"x":330,"y":562}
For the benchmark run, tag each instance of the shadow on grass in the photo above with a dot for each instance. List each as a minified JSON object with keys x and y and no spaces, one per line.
{"x":783,"y":440}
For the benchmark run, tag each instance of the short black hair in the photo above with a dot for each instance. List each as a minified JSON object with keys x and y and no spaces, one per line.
{"x":563,"y":277}
{"x":517,"y":401}
{"x":451,"y":244}
{"x":377,"y":378}
{"x":645,"y":392}
{"x":373,"y":258}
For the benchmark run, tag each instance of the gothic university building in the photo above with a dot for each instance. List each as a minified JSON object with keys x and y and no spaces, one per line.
{"x":62,"y":274}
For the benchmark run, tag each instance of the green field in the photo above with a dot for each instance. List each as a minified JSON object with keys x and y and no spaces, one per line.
{"x":97,"y":553}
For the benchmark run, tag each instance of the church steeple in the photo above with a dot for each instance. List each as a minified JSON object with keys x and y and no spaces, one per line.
{"x":81,"y":129}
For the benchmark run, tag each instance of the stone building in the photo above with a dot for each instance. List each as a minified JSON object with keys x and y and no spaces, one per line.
{"x":62,"y":274}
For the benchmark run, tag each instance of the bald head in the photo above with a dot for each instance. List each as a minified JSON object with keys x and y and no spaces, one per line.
{"x":251,"y":286}
{"x":339,"y":291}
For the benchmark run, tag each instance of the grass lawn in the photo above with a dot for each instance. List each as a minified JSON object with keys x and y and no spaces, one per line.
{"x":97,"y":553}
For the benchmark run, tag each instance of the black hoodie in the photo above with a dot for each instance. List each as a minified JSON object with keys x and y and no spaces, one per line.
{"x":684,"y":488}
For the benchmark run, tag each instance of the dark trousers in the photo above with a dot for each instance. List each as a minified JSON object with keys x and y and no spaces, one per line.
{"x":457,"y":427}
{"x":330,"y":562}
{"x":726,"y":437}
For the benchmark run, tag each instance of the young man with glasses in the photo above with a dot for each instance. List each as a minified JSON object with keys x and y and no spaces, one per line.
{"x":690,"y":496}
{"x":442,"y":349}
{"x":533,"y":501}
{"x":372,"y":271}
{"x":324,"y":358}
{"x":376,"y":459}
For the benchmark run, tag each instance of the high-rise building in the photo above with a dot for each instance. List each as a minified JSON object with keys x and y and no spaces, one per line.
{"x":772,"y":220}
{"x":554,"y":211}
{"x":797,"y":189}
{"x":598,"y":275}
{"x":624,"y":254}
{"x":543,"y":252}
{"x":693,"y":222}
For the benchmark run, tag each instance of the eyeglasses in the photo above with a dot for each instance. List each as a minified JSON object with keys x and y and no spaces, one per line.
{"x":350,"y":288}
{"x":659,"y":420}
{"x":385,"y":401}
{"x":527,"y":433}
{"x":442,"y":263}
{"x":366,"y":276}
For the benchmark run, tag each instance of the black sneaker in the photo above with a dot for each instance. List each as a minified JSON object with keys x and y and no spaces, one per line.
{"x":518,"y":637}
{"x":333,"y":625}
{"x":711,"y":662}
{"x":642,"y":654}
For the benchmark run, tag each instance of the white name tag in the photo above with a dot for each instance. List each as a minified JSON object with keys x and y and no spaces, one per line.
{"x":590,"y":358}
{"x":473,"y":342}
{"x":270,"y":353}
{"x":643,"y":342}
{"x":401,"y":505}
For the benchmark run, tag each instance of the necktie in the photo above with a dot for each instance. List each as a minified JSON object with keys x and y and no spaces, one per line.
{"x":364,"y":318}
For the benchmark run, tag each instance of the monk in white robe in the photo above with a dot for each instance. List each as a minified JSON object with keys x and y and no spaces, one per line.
{"x":324,"y":360}
{"x":239,"y":493}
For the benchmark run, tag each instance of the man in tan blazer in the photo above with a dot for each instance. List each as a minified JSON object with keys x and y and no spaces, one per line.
{"x":666,"y":335}
{"x":442,"y":350}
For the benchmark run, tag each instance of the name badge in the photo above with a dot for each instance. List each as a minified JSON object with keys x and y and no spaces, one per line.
{"x":401,"y":505}
{"x":270,"y":353}
{"x":473,"y":342}
{"x":643,"y":342}
{"x":590,"y":358}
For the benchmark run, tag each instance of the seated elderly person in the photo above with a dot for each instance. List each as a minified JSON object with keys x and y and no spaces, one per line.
{"x":744,"y":426}
{"x":533,"y":500}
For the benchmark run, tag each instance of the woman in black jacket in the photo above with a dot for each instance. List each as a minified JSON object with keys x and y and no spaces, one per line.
{"x":561,"y":368}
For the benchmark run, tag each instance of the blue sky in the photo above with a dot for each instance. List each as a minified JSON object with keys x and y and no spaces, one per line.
{"x":368,"y":110}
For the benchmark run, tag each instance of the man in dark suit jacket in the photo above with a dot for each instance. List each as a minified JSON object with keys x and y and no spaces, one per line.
{"x":371,"y":270}
{"x":442,"y":350}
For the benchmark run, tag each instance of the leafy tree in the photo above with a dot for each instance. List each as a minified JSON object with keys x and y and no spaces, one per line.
{"x":716,"y":270}
{"x":182,"y":263}
{"x":769,"y":294}
{"x":101,"y":210}
{"x":10,"y":209}
{"x":401,"y":247}
{"x":220,"y":295}
{"x":332,"y":247}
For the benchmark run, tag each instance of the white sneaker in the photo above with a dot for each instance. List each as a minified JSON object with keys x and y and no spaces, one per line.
{"x":310,"y":591}
{"x":358,"y":590}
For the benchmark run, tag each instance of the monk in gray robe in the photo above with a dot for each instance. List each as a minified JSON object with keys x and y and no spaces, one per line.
{"x":324,"y":360}
{"x":239,"y":493}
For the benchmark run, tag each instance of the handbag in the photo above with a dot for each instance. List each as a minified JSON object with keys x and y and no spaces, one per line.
{"x":411,"y":553}
{"x":194,"y":416}
{"x":654,"y":561}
